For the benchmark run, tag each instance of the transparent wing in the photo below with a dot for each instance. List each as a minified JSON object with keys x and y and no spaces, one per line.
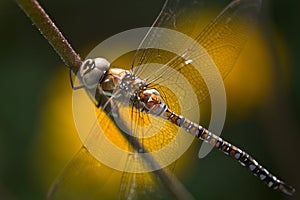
{"x":175,"y":14}
{"x":151,"y":185}
{"x":141,"y":185}
{"x":84,"y":178}
{"x":222,"y":40}
{"x":157,"y":137}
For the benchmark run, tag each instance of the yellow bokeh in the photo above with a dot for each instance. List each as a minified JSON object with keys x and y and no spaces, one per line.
{"x":250,"y":80}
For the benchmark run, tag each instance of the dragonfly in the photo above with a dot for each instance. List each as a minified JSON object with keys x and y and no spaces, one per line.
{"x":146,"y":102}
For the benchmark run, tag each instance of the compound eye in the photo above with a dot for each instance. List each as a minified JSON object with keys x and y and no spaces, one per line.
{"x":101,"y":64}
{"x":92,"y":78}
{"x":87,"y":66}
{"x":92,"y":71}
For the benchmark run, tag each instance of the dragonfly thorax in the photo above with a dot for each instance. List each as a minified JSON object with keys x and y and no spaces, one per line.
{"x":129,"y":89}
{"x":92,"y":71}
{"x":128,"y":86}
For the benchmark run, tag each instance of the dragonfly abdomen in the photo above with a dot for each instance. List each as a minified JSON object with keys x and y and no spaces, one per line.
{"x":151,"y":102}
{"x":234,"y":152}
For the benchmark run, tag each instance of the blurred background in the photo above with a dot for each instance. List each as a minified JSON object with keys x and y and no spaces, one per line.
{"x":37,"y":133}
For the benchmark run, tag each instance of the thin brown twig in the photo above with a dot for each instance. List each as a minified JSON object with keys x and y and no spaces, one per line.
{"x":51,"y":33}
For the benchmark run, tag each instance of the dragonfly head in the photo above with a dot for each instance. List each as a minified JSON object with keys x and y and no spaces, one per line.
{"x":92,"y":71}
